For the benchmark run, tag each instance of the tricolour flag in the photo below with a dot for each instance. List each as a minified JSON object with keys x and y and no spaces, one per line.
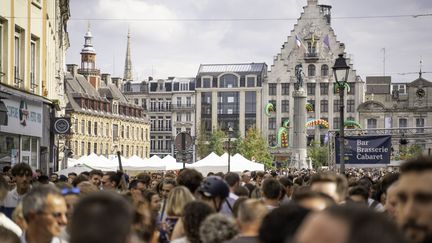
{"x":298,"y":41}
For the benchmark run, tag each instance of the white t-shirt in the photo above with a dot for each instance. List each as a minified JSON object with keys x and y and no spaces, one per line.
{"x":9,"y":224}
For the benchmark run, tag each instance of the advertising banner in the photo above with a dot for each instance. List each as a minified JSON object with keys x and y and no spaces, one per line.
{"x":365,"y":150}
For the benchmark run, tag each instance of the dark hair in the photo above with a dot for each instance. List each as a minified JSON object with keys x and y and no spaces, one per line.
{"x":259,"y":174}
{"x":101,"y":217}
{"x":271,"y":188}
{"x":79,"y":179}
{"x":8,"y":236}
{"x":250,"y":187}
{"x":282,"y":223}
{"x":114,"y":177}
{"x":72,"y":173}
{"x":144,"y":178}
{"x":6,"y":168}
{"x":43,"y":179}
{"x":148,"y":194}
{"x":241,"y":191}
{"x":134,"y":183}
{"x":86,"y":173}
{"x":96,"y":172}
{"x":232,"y":178}
{"x":418,"y":164}
{"x":365,"y":225}
{"x":190,"y":178}
{"x":194,"y":214}
{"x":62,"y":178}
{"x":169,"y":181}
{"x":21,"y":169}
{"x":285,"y":181}
{"x":360,"y":191}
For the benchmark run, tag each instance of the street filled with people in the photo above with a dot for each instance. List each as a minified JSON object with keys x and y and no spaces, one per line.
{"x":386,"y":205}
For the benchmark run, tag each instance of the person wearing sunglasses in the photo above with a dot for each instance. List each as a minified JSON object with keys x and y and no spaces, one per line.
{"x":45,"y":210}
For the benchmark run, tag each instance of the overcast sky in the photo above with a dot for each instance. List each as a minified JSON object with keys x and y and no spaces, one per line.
{"x":177,"y":48}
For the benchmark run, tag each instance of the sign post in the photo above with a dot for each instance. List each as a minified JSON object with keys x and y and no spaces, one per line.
{"x":183,"y":142}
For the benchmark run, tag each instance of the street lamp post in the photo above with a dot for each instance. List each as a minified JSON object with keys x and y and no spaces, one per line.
{"x":340,"y":70}
{"x":230,"y":131}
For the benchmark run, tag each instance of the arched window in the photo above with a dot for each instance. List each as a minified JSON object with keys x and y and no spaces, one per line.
{"x":228,"y":81}
{"x":324,"y":70}
{"x":311,"y":70}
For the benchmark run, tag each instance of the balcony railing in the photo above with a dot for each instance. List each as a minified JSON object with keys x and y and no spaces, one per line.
{"x":161,"y":129}
{"x":17,"y":79}
{"x":311,"y":56}
{"x":162,"y":109}
{"x":183,"y":106}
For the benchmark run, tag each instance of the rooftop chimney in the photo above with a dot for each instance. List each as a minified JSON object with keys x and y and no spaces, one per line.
{"x":72,"y":69}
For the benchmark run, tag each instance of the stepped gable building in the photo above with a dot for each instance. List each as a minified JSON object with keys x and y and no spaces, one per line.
{"x":399,"y":105}
{"x":313,"y":44}
{"x":104,"y":122}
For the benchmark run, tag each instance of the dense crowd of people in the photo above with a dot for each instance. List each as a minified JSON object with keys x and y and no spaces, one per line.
{"x":292,"y":205}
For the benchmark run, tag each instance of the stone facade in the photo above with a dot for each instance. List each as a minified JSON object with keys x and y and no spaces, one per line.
{"x":170,"y":106}
{"x":313,"y":44}
{"x":103,"y":120}
{"x":399,"y":105}
{"x":33,"y":42}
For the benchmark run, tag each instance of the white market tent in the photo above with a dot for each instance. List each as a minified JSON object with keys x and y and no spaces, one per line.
{"x":171,"y":163}
{"x":211,"y":163}
{"x":77,"y":169}
{"x":214,"y":163}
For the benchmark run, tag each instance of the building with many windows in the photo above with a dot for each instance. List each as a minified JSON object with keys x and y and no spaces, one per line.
{"x":398,"y":105}
{"x":103,"y":121}
{"x":170,"y":106}
{"x":33,"y":42}
{"x":229,"y":95}
{"x":313,"y":44}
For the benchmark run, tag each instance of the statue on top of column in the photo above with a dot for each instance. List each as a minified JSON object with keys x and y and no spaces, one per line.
{"x":299,"y":75}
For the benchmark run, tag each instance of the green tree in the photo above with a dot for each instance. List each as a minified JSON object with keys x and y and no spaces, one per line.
{"x":255,"y":146}
{"x":409,"y":151}
{"x":216,"y":141}
{"x":318,"y":154}
{"x":203,"y":148}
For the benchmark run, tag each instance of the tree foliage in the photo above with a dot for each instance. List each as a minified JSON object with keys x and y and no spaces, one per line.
{"x":318,"y":154}
{"x":255,"y":146}
{"x":409,"y":151}
{"x":203,"y":148}
{"x":216,"y":142}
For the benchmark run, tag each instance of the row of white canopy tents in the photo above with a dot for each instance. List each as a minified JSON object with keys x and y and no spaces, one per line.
{"x":211,"y":163}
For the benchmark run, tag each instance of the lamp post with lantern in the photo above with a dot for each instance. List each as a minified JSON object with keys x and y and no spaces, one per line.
{"x":341,"y":70}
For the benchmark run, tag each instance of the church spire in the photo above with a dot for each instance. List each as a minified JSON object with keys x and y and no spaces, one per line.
{"x":128,"y":63}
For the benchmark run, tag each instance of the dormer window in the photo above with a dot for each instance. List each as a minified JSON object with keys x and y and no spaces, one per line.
{"x":115,"y":108}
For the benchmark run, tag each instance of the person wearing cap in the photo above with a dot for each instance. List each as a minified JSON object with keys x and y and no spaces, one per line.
{"x":214,"y":191}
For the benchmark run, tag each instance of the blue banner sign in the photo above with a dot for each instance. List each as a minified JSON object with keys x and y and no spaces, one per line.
{"x":365,"y":149}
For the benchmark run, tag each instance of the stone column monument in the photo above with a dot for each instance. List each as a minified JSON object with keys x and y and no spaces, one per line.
{"x":299,"y":151}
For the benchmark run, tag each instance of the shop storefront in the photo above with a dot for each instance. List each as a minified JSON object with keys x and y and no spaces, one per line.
{"x":20,"y":139}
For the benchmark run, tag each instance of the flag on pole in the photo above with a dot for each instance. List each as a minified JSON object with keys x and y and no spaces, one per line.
{"x":298,"y":41}
{"x":327,"y":41}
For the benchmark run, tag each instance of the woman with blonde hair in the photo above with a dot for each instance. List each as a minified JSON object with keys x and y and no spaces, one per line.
{"x":177,"y":198}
